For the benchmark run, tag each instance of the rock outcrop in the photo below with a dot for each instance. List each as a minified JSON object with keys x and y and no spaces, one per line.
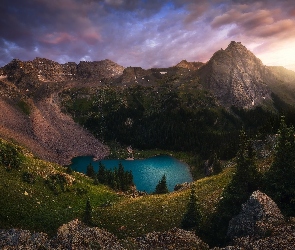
{"x":260,"y":225}
{"x":50,"y":71}
{"x":236,"y":77}
{"x":73,"y":235}
{"x":40,"y":70}
{"x":173,"y":239}
{"x":23,"y":239}
{"x":43,"y":128}
{"x":259,"y":215}
{"x":76,"y":235}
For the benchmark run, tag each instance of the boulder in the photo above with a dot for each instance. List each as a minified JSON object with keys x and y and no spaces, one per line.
{"x":259,"y":216}
{"x":23,"y":239}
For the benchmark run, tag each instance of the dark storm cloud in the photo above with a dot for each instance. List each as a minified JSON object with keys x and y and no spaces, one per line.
{"x":142,"y":33}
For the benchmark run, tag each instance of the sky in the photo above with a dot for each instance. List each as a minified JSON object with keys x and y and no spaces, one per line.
{"x":145,"y":33}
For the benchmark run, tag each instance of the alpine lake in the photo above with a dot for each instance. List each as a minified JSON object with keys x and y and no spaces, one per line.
{"x":146,"y":172}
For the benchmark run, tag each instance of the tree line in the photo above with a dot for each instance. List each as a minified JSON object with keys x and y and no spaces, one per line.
{"x":117,"y":178}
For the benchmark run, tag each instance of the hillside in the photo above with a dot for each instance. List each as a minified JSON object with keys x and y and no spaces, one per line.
{"x":49,"y":200}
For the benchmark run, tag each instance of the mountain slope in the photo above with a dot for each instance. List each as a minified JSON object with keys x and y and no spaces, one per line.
{"x":47,"y":132}
{"x":30,"y":115}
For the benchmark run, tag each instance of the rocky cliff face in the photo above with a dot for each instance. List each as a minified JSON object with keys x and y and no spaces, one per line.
{"x":50,"y":71}
{"x":32,"y":73}
{"x":31,"y":112}
{"x":98,"y":70}
{"x":38,"y":70}
{"x":189,"y":65}
{"x":236,"y":77}
{"x":23,"y":74}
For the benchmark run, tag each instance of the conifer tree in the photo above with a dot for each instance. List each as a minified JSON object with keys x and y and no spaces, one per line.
{"x":192,"y":217}
{"x":280,"y":179}
{"x":102,"y":174}
{"x":161,"y":187}
{"x":90,"y":171}
{"x":87,"y":219}
{"x":121,"y":177}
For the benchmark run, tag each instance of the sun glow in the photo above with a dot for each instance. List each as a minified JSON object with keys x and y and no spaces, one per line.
{"x":281,"y":55}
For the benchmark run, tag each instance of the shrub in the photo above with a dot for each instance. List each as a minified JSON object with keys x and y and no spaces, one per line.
{"x":10,"y":155}
{"x":28,"y":177}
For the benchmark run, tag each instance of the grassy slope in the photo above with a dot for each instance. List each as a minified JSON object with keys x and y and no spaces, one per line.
{"x":135,"y":217}
{"x":36,"y":207}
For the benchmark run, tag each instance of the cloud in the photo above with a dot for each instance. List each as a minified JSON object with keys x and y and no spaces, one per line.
{"x":278,"y":29}
{"x":247,"y":20}
{"x":57,"y":38}
{"x":139,"y":32}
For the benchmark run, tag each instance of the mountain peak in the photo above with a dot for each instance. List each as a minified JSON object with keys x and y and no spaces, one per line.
{"x":236,"y":77}
{"x":235,"y":44}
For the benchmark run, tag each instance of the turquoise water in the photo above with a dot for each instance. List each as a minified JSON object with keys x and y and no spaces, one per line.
{"x":146,"y":172}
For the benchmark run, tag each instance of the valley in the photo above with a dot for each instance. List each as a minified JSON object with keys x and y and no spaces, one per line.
{"x":51,"y":113}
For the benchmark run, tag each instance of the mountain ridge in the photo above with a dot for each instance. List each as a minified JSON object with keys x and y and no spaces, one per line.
{"x":234,"y":75}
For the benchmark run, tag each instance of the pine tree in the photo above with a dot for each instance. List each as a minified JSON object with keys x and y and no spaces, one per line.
{"x":161,"y":187}
{"x":280,"y":181}
{"x":102,"y":174}
{"x":87,"y":219}
{"x":90,"y":171}
{"x":216,"y":164}
{"x":192,"y":217}
{"x":121,"y":177}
